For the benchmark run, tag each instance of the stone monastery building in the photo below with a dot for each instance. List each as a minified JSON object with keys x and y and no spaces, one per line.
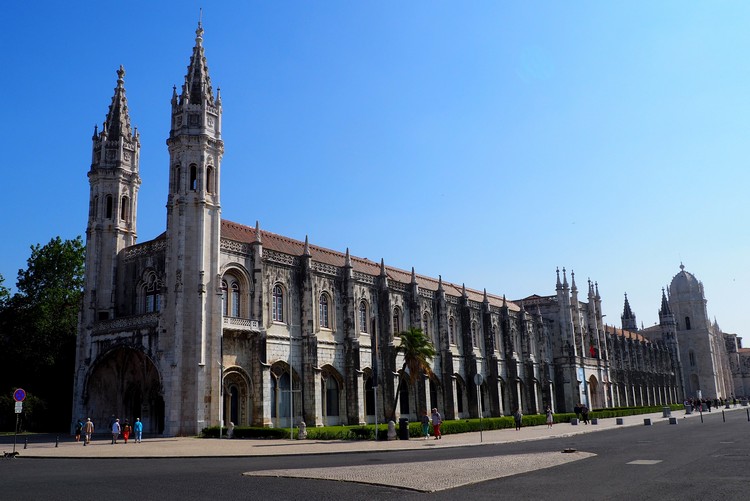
{"x":214,"y":321}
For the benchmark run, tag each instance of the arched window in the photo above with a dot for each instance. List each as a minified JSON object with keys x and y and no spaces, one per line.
{"x":691,"y":354}
{"x":176,"y":179}
{"x":426,"y":325}
{"x":193,"y":177}
{"x":452,"y":330}
{"x":403,"y":399}
{"x":363,"y":317}
{"x":210,"y":179}
{"x":95,"y":209}
{"x":687,"y":323}
{"x":332,"y":396}
{"x":323,"y":312}
{"x":369,"y":397}
{"x":224,"y":306}
{"x":152,"y":294}
{"x":278,"y":304}
{"x":235,"y":299}
{"x":474,"y":335}
{"x":124,"y":208}
{"x":396,"y":321}
{"x":109,"y":206}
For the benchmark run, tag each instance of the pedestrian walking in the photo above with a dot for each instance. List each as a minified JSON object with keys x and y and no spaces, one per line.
{"x":585,"y":414}
{"x":115,"y":431}
{"x":425,"y":425}
{"x":437,"y":420}
{"x":126,"y":429}
{"x":518,"y":418}
{"x":138,"y":428}
{"x":88,"y":430}
{"x":79,"y":428}
{"x":550,"y":417}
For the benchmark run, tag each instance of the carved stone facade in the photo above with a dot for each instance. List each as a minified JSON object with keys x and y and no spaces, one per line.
{"x":215,"y":321}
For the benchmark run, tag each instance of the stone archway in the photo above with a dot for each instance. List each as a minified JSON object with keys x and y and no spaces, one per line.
{"x":238,"y":405}
{"x":126,"y":384}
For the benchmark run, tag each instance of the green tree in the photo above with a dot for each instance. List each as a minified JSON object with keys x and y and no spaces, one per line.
{"x":4,"y":292}
{"x":38,"y":327}
{"x":417,"y":350}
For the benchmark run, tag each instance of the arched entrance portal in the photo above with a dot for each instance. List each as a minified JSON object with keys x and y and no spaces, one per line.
{"x":125,"y":383}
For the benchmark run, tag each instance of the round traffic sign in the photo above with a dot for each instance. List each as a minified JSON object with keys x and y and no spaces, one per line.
{"x":19,"y":395}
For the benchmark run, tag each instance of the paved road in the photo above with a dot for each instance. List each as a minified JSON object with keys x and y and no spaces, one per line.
{"x":691,"y":460}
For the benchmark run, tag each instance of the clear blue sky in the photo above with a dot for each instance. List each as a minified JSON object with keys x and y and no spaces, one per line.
{"x":487,"y":142}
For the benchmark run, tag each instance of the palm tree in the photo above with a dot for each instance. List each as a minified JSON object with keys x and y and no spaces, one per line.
{"x":417,"y":350}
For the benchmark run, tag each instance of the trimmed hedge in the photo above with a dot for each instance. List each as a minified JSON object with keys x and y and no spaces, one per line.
{"x":450,"y":427}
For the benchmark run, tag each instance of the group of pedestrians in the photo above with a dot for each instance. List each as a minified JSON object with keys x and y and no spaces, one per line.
{"x":436,"y":419}
{"x":87,"y":429}
{"x":703,"y":404}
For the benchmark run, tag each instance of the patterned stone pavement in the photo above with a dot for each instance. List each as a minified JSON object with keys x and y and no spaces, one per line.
{"x":432,"y":476}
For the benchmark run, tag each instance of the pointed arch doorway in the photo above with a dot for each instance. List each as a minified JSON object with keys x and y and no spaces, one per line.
{"x":126,"y":384}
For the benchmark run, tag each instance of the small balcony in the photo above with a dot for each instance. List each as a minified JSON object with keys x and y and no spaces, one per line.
{"x":241,"y":324}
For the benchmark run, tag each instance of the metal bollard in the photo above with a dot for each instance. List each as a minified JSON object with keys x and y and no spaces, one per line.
{"x":57,"y":440}
{"x":25,"y":442}
{"x":723,"y":417}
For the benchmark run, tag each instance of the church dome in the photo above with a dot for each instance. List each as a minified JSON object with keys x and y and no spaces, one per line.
{"x":685,"y":284}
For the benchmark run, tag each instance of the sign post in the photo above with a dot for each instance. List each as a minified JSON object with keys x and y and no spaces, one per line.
{"x":19,"y":396}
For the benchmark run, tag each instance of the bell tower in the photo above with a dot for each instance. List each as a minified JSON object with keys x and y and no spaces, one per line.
{"x":193,"y":240}
{"x":114,"y":181}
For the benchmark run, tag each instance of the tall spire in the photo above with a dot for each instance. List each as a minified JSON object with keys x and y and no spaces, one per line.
{"x":628,"y":317}
{"x":117,"y":124}
{"x":197,"y":85}
{"x":665,"y":309}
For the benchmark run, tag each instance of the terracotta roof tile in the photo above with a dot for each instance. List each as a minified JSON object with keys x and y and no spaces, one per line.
{"x":272,"y":241}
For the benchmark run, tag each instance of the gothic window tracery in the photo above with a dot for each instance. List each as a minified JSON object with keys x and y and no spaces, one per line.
{"x":363,"y":321}
{"x":324,"y":311}
{"x":396,"y":321}
{"x":152,"y":293}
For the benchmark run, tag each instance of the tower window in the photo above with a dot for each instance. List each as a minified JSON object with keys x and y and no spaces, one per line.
{"x":691,"y":355}
{"x":109,"y":207}
{"x":210,"y":179}
{"x":193,"y":177}
{"x":176,"y":179}
{"x":687,"y":323}
{"x":95,"y":209}
{"x":124,"y":208}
